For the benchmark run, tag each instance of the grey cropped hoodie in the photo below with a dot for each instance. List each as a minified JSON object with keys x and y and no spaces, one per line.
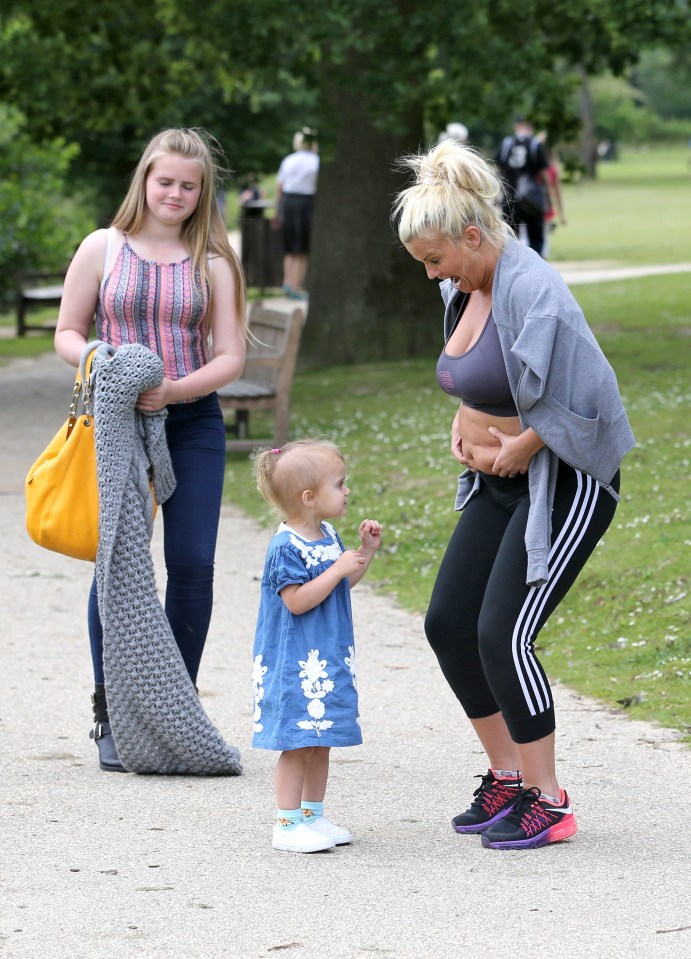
{"x":561,"y":382}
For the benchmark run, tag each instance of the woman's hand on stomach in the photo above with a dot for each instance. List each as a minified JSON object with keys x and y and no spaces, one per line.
{"x":457,"y":440}
{"x":516,"y":452}
{"x":483,"y":451}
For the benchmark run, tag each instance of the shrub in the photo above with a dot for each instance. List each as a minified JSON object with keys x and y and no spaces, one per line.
{"x":39,"y":228}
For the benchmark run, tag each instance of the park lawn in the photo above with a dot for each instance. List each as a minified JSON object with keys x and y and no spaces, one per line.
{"x":637,"y":211}
{"x":623,"y":634}
{"x":34,"y":344}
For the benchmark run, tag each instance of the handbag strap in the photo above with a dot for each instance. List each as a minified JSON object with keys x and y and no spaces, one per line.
{"x":86,"y":361}
{"x":83,"y":382}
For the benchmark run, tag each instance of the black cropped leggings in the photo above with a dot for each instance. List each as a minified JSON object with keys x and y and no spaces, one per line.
{"x":483,"y":619}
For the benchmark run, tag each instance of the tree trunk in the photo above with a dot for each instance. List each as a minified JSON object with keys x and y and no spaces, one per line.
{"x":588,"y":144}
{"x":369,"y":300}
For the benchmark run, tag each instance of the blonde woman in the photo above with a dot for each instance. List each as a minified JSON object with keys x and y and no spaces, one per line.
{"x":165,"y":276}
{"x":541,"y":432}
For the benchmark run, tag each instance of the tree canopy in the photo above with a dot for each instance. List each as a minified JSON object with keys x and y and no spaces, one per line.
{"x":377,"y":80}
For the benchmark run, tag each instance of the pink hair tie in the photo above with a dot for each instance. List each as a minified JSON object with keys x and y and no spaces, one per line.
{"x":276,"y":452}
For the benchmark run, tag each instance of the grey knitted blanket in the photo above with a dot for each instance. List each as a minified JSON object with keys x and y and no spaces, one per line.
{"x":158,"y":722}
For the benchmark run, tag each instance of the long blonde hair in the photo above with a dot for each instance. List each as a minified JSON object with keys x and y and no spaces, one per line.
{"x":283,"y":475}
{"x":454,"y":187}
{"x":204,"y":231}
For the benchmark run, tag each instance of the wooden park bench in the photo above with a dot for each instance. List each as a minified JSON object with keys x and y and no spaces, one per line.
{"x":37,"y":289}
{"x":267,"y":380}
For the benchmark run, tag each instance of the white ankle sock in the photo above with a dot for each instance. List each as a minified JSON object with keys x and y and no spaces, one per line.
{"x":506,"y":773}
{"x":557,"y":800}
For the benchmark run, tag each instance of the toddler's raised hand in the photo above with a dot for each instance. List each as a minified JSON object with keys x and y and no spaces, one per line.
{"x":370,"y":534}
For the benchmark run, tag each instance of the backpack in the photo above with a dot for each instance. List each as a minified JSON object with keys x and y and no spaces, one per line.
{"x":531,"y":196}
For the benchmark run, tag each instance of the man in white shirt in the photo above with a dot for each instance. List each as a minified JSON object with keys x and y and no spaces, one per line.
{"x":295,"y":191}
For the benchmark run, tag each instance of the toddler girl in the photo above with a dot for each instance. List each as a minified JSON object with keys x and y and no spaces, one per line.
{"x":305,"y":688}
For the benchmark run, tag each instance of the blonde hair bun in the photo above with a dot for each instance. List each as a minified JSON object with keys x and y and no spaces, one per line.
{"x":454,"y":187}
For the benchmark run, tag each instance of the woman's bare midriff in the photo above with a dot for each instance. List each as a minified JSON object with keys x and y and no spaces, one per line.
{"x":480,"y":448}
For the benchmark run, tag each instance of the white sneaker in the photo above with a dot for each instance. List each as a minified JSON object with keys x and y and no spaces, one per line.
{"x":325,"y":827}
{"x":301,"y":839}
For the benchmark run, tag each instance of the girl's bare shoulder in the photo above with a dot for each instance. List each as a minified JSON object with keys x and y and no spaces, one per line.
{"x":92,"y":250}
{"x":93,"y":246}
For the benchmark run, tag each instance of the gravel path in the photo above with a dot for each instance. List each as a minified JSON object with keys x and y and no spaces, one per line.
{"x":107,"y":865}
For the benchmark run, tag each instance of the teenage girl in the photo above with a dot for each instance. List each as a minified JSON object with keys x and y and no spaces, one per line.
{"x":165,"y":276}
{"x":305,"y":687}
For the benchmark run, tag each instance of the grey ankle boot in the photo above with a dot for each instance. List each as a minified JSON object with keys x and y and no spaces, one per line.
{"x":108,"y":758}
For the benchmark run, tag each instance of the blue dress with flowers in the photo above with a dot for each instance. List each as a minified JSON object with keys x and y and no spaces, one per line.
{"x":305,"y":689}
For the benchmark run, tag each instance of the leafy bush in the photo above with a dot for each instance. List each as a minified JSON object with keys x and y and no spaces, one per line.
{"x":624,"y":113}
{"x":39,"y":228}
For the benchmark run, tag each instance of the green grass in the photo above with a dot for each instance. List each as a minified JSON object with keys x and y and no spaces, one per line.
{"x":623,"y":632}
{"x":32,"y":345}
{"x":637,"y":211}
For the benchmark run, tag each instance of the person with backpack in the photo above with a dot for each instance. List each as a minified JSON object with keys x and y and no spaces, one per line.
{"x":522,"y":161}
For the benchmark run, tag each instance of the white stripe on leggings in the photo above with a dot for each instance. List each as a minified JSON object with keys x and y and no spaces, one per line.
{"x":577,"y":522}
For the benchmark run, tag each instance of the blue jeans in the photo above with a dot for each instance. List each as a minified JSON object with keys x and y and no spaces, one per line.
{"x":197,"y":444}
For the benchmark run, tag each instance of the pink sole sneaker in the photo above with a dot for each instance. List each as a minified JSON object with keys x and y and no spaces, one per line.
{"x":533,"y":821}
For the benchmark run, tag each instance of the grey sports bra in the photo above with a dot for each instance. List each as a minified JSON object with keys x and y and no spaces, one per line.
{"x":479,"y":376}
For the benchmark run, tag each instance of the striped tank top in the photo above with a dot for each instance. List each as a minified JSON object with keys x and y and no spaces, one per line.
{"x":157,"y":305}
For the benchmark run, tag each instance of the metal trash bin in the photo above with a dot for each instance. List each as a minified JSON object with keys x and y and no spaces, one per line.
{"x":261,"y":245}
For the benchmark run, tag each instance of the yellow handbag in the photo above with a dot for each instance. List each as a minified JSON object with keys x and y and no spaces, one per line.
{"x":62,"y":488}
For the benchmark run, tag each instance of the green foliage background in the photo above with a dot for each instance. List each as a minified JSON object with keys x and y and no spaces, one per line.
{"x":39,"y":226}
{"x":93,"y":82}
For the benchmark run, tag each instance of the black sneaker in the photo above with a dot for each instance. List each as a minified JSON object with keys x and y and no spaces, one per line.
{"x":534,"y":821}
{"x":493,"y":800}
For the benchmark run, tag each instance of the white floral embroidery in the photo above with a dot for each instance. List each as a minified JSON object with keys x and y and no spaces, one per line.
{"x":258,"y":673}
{"x":350,"y":663}
{"x":316,"y":708}
{"x":314,"y":555}
{"x":315,"y":685}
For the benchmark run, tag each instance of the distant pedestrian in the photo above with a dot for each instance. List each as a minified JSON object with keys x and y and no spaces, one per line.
{"x":522,"y":162}
{"x":458,"y":132}
{"x":296,"y":187}
{"x":554,"y":214}
{"x":541,"y":431}
{"x":305,"y":686}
